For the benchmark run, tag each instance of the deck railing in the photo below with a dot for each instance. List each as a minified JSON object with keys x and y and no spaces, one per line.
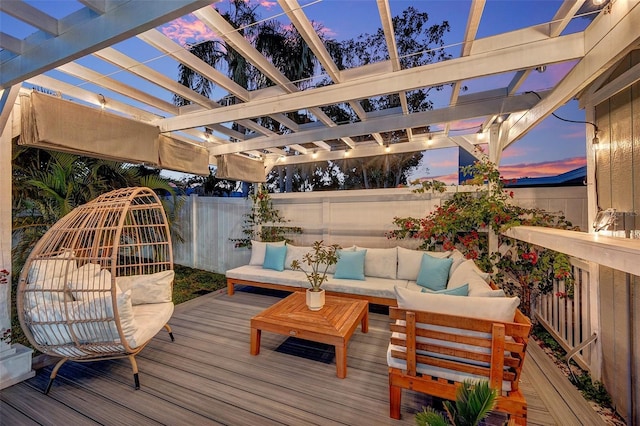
{"x":567,"y":317}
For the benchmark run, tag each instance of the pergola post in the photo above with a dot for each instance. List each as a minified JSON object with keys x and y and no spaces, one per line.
{"x":15,"y":360}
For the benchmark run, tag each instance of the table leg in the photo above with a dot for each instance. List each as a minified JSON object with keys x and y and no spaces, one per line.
{"x":255,"y":341}
{"x":364,"y":324}
{"x":341,"y":360}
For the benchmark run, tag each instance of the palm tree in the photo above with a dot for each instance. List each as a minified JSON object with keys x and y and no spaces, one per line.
{"x":48,"y":184}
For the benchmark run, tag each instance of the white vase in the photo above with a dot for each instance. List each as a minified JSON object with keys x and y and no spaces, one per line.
{"x":315,"y":299}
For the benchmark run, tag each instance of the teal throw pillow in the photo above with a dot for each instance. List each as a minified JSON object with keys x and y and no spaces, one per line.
{"x":434,"y":272}
{"x":463,"y":290}
{"x":274,"y":257}
{"x":350,"y":265}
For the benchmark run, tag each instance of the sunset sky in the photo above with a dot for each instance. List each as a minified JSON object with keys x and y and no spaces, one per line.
{"x":553,"y":147}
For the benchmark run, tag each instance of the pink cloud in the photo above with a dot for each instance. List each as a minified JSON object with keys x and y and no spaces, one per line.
{"x":545,"y":168}
{"x":188,"y":30}
{"x":514,"y":151}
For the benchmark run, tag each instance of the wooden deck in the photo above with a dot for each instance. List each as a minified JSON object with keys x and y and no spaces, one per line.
{"x":207,"y":376}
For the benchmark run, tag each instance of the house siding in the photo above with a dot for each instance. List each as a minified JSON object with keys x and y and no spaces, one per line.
{"x":618,"y":186}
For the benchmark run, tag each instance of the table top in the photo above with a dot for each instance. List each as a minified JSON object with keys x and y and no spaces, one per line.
{"x":336,"y":318}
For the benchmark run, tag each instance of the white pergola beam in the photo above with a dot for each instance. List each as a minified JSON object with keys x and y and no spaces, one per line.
{"x":461,"y":111}
{"x":31,"y":15}
{"x":610,"y":37}
{"x":117,"y":24}
{"x":555,"y":50}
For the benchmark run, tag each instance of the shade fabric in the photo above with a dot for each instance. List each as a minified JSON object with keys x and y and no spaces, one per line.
{"x":236,"y":167}
{"x":53,"y":123}
{"x":182,"y":156}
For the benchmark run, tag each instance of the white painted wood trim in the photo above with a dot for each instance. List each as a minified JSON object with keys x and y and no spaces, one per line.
{"x":618,"y":253}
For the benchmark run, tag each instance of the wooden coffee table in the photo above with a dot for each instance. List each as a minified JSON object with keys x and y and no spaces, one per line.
{"x":334,"y":324}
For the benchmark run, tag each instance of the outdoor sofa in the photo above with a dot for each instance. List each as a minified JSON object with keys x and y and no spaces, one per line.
{"x":366,"y":273}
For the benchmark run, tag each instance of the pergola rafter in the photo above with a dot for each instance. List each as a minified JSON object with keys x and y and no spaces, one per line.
{"x":505,"y":113}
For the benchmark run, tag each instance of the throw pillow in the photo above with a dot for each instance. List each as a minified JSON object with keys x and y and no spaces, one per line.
{"x":297,"y":253}
{"x":489,"y":308}
{"x":148,"y":288}
{"x":52,"y":267}
{"x":409,"y":262}
{"x":258,"y":250}
{"x":274,"y":257}
{"x":350,"y":265}
{"x":434,"y":272}
{"x":380,"y":262}
{"x":467,"y":273}
{"x":463,"y":290}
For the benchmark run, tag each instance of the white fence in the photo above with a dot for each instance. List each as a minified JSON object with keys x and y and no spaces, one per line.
{"x":568,"y":318}
{"x":341,"y":217}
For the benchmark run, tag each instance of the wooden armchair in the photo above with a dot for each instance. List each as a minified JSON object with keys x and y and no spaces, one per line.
{"x":433,"y":353}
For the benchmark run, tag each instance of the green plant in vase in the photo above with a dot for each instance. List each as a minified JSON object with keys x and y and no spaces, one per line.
{"x":318,"y":261}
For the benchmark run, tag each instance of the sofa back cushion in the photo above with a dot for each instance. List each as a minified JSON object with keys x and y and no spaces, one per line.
{"x":259,"y":249}
{"x":380,"y":262}
{"x":409,"y":262}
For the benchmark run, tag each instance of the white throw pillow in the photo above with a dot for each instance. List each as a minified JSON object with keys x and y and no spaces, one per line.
{"x":258,"y":250}
{"x":87,"y":279}
{"x":148,"y":288}
{"x":409,"y":262}
{"x":380,"y":262}
{"x":490,"y":308}
{"x":296,"y":253}
{"x":56,"y":266}
{"x":467,"y":273}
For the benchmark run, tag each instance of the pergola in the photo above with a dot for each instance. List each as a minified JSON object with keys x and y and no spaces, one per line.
{"x":505,"y":113}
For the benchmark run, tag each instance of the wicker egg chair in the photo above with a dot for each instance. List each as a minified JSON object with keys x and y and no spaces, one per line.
{"x":98,"y":284}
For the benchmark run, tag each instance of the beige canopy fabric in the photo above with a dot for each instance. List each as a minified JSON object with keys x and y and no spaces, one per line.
{"x":236,"y":167}
{"x":182,"y":156}
{"x":52,"y":123}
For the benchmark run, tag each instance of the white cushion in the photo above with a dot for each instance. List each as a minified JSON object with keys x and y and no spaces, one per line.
{"x":467,"y":273}
{"x":371,"y":286}
{"x":56,"y":266}
{"x":257,"y":273}
{"x":148,"y":288}
{"x":87,"y":280}
{"x":409,"y":262}
{"x":150,"y":319}
{"x":258,"y":250}
{"x":490,"y":308}
{"x":297,"y":253}
{"x":379,"y":262}
{"x":458,"y":258}
{"x":87,"y":319}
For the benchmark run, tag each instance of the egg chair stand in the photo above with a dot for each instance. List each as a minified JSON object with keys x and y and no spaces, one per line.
{"x":98,"y":285}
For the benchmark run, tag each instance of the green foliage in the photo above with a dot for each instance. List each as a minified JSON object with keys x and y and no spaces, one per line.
{"x":592,"y":391}
{"x":48,"y":184}
{"x":463,"y":221}
{"x":190,"y":283}
{"x":474,"y":401}
{"x":319,"y":259}
{"x":262,"y":223}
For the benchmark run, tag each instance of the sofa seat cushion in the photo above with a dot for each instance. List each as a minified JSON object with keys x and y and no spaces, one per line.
{"x":268,"y":276}
{"x":371,"y":286}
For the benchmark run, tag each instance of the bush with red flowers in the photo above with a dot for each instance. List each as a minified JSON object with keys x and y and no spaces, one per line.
{"x":463,"y":221}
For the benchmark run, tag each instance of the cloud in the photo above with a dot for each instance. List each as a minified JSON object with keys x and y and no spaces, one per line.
{"x":545,"y":168}
{"x":188,"y":30}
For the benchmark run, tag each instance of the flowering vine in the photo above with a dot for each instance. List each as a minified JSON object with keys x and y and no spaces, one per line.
{"x":463,"y":222}
{"x":6,"y":333}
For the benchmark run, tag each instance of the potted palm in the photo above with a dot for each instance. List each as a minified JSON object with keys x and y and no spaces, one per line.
{"x":318,"y":261}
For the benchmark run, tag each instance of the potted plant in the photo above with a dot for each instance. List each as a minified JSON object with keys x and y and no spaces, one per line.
{"x":318,"y":260}
{"x":473,"y":403}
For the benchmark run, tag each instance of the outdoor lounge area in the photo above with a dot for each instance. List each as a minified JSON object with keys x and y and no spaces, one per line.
{"x":317,"y":115}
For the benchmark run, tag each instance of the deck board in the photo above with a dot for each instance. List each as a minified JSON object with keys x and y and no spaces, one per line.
{"x":207,"y":376}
